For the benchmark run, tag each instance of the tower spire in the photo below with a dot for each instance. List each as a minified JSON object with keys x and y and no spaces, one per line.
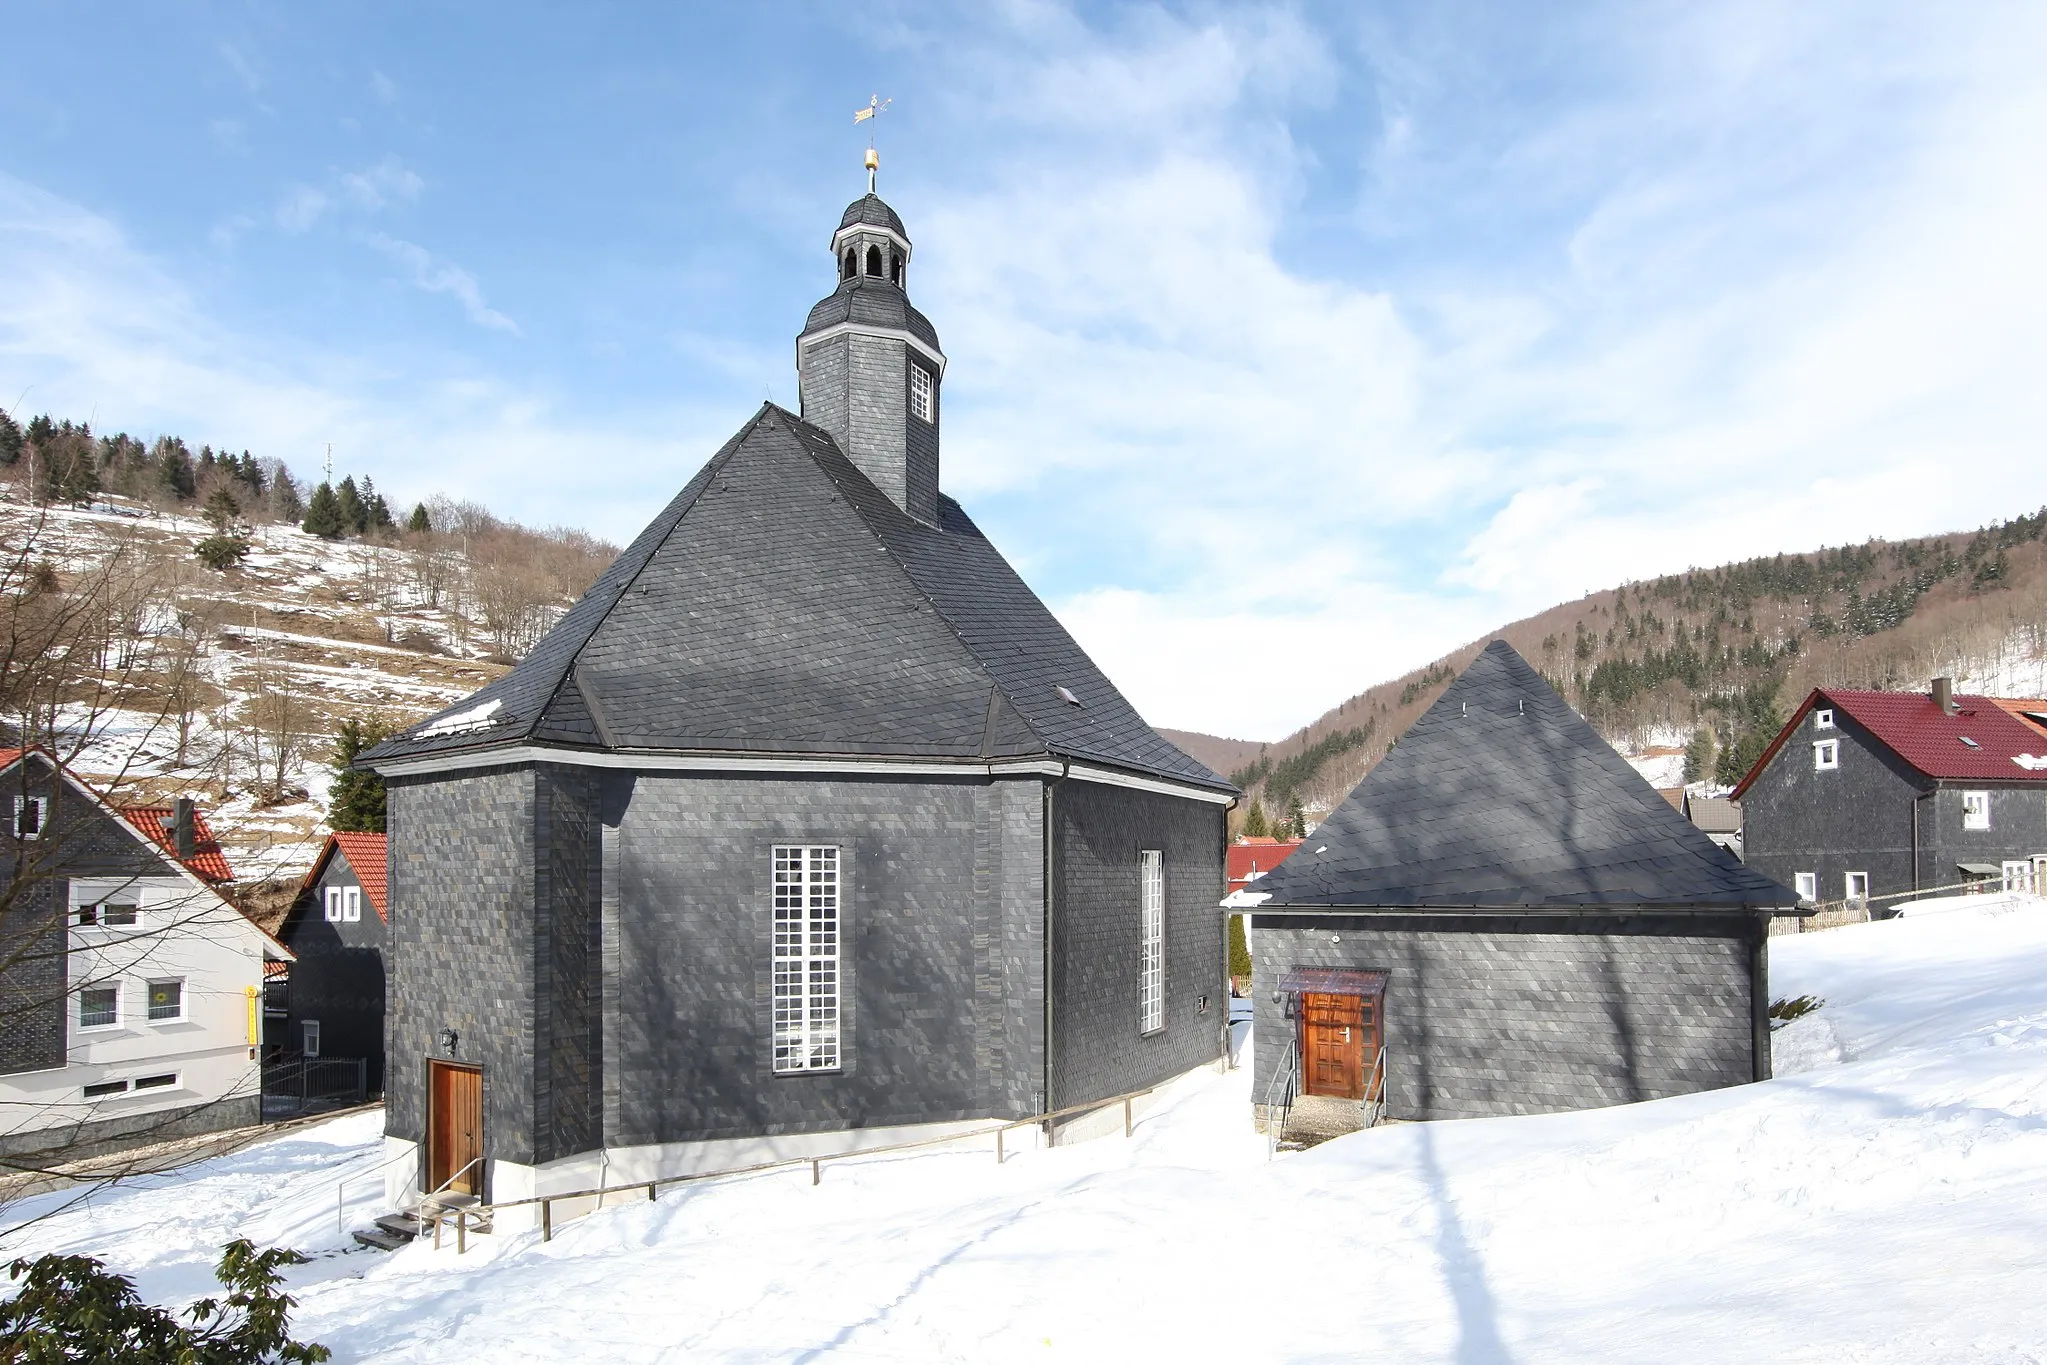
{"x":876,"y":107}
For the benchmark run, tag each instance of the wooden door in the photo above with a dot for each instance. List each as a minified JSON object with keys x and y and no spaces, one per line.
{"x":1338,"y":1032}
{"x":454,"y":1121}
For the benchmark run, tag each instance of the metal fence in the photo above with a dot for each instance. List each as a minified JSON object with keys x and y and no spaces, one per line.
{"x":295,"y":1085}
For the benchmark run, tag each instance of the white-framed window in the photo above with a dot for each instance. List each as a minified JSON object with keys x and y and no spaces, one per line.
{"x":101,"y":1090}
{"x":351,"y":904}
{"x":1151,"y":932}
{"x":1855,"y":886}
{"x":923,"y":394}
{"x":100,"y":1006}
{"x":1826,"y":755}
{"x":2019,"y":874}
{"x":167,"y":1001}
{"x":167,"y":1081}
{"x":1975,"y":810}
{"x":333,"y":899}
{"x":109,"y":914}
{"x":1807,"y":884}
{"x":1823,"y":720}
{"x":309,"y":1037}
{"x":31,"y":816}
{"x":806,"y":957}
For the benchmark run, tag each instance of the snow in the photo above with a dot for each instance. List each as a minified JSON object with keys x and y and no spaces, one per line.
{"x":1879,"y":1201}
{"x":474,"y":718}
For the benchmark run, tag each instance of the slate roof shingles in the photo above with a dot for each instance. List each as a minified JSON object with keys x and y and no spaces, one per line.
{"x":768,"y":609}
{"x":1500,"y":796}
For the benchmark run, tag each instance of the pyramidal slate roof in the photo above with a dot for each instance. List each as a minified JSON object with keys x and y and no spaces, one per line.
{"x":1503,"y":797}
{"x":875,"y":302}
{"x":781,"y":603}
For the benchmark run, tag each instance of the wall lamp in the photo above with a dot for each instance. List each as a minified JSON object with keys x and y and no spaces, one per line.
{"x":448,"y":1040}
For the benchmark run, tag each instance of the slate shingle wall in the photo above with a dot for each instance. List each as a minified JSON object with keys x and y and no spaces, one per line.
{"x":1535,"y":1015}
{"x":567,"y":941}
{"x":877,"y":410}
{"x":1097,"y":1047}
{"x":821,"y":385}
{"x":1855,"y":818}
{"x":339,"y":976}
{"x":940,"y":1005}
{"x":462,"y":947}
{"x":921,"y":447}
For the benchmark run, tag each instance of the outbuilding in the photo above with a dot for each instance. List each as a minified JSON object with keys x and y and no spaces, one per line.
{"x":1504,"y":918}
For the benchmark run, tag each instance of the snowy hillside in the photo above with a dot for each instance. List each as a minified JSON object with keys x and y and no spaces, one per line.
{"x":274,"y":654}
{"x":1881,"y":1203}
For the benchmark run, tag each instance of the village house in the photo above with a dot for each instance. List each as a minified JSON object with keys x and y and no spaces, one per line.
{"x":1503,"y":917}
{"x":1251,"y":857}
{"x":130,"y":987}
{"x":1864,"y":798}
{"x":329,"y":1004}
{"x":808,"y":824}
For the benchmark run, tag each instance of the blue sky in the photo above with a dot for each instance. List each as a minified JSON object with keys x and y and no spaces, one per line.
{"x":1290,"y":345}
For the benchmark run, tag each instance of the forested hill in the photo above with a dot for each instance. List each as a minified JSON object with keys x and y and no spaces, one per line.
{"x":1712,"y":659}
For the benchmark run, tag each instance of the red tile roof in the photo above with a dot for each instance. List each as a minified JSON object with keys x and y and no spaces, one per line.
{"x":2031,"y":710}
{"x":207,"y":862}
{"x":1982,"y":741}
{"x":1248,"y":858}
{"x":365,"y":854}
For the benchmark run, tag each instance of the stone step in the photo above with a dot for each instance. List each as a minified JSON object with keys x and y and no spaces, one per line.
{"x":401,"y":1225}
{"x":380,"y":1239}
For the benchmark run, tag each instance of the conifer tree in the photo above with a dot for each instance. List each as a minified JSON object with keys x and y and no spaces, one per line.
{"x":1240,"y":948}
{"x":174,"y":468}
{"x":10,"y":440}
{"x":376,"y":514}
{"x":323,"y":515}
{"x":285,"y":502}
{"x":420,"y":523}
{"x":1256,"y":826}
{"x":1699,"y":755}
{"x":354,"y":516}
{"x":1296,"y":818}
{"x":356,"y":803}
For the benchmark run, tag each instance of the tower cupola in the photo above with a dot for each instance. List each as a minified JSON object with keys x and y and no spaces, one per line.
{"x":868,"y":364}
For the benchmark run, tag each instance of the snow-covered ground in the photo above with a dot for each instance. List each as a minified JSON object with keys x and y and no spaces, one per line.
{"x":1879,"y":1202}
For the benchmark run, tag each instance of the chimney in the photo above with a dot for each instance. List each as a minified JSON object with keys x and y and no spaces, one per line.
{"x":1944,"y":695}
{"x":181,"y":829}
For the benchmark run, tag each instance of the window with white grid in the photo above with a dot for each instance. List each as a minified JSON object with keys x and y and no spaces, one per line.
{"x":1151,"y":957}
{"x":806,"y":957}
{"x":923,"y":397}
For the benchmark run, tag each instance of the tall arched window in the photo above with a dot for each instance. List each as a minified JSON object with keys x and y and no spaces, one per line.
{"x":874,"y":261}
{"x":847,"y":272}
{"x":895,"y":267}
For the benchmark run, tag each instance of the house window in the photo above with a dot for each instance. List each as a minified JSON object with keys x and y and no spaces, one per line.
{"x":31,"y":814}
{"x":1826,"y":755}
{"x":1975,"y":810}
{"x":923,"y":397}
{"x":166,"y":1002}
{"x":351,"y":904}
{"x":108,"y":914}
{"x":1823,"y":720}
{"x":806,"y":957}
{"x":1151,"y":956}
{"x":99,"y":1007}
{"x":2018,"y":874}
{"x":309,"y":1037}
{"x":1855,"y":886}
{"x":333,"y":905}
{"x":102,"y":1089}
{"x":1807,"y":884}
{"x":167,"y":1081}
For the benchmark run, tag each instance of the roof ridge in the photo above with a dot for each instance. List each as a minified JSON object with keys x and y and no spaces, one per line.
{"x":902,"y":566}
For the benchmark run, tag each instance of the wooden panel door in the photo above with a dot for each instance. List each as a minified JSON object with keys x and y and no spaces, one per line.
{"x":1333,"y":1046}
{"x":454,"y":1120}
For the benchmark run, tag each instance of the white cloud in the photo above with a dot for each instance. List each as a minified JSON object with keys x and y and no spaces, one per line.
{"x":383,"y":87}
{"x":387,"y":182}
{"x":442,"y":277}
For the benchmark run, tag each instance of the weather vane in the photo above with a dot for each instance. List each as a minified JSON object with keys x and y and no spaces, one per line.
{"x":876,"y":107}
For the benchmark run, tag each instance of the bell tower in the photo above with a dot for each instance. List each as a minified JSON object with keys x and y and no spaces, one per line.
{"x":868,"y":365}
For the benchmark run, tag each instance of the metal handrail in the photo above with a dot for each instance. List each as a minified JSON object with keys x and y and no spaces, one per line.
{"x":1374,"y":1102}
{"x":340,"y":1217}
{"x":1284,"y":1084}
{"x":816,"y":1164}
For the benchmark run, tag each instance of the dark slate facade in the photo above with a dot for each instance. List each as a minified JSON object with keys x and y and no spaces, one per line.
{"x":338,"y":978}
{"x":1554,"y":935}
{"x":809,"y":646}
{"x":1877,"y":810}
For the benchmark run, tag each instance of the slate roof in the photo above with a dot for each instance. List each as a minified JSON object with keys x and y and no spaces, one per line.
{"x":783,"y":604}
{"x":874,"y":301}
{"x":1981,"y":741}
{"x":871,"y":210}
{"x":1502,"y":797}
{"x":208,"y":862}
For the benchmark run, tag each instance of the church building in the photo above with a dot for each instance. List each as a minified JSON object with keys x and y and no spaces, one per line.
{"x":808,"y":827}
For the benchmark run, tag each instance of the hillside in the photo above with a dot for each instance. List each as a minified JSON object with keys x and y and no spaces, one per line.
{"x":229,"y":685}
{"x":1713,"y":658}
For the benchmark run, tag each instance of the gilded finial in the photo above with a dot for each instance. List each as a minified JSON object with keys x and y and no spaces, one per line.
{"x":876,"y":106}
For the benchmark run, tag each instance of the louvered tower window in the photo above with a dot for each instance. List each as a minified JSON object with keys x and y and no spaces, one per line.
{"x":806,"y":957}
